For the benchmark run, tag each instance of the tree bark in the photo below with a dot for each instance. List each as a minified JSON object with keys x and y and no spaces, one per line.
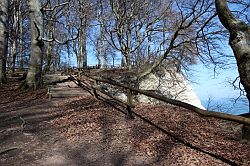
{"x":14,"y":30}
{"x":84,"y":47}
{"x":3,"y":38}
{"x":240,"y":43}
{"x":20,"y":18}
{"x":82,"y":51}
{"x":49,"y":50}
{"x":34,"y":74}
{"x":82,"y":40}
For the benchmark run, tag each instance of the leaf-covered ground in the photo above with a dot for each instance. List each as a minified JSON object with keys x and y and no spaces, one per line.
{"x":89,"y":131}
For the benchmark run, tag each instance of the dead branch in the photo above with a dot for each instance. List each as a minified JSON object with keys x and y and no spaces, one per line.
{"x":53,"y":39}
{"x":61,"y":42}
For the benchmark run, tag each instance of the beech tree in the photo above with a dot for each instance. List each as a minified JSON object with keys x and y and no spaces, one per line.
{"x":82,"y":52}
{"x":3,"y":38}
{"x":128,"y":24}
{"x":34,"y":74}
{"x":15,"y":28}
{"x":187,"y":35}
{"x":100,"y":43}
{"x":239,"y":41}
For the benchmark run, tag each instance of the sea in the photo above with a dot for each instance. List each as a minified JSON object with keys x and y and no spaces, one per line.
{"x":227,"y":105}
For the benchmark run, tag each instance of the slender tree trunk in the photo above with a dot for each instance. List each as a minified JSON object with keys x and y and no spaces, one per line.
{"x":79,"y":54}
{"x":56,"y":60}
{"x":14,"y":49}
{"x":50,"y":50}
{"x":34,"y":74}
{"x":3,"y":38}
{"x":20,"y":46}
{"x":105,"y":56}
{"x":98,"y":50}
{"x":113,"y":61}
{"x":13,"y":54}
{"x":128,"y":61}
{"x":68,"y":49}
{"x":82,"y":51}
{"x":50,"y":55}
{"x":69,"y":58}
{"x":103,"y":49}
{"x":84,"y":44}
{"x":239,"y":41}
{"x":100,"y":45}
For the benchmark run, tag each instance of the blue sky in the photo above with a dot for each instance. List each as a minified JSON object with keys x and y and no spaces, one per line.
{"x":217,"y":87}
{"x":207,"y":84}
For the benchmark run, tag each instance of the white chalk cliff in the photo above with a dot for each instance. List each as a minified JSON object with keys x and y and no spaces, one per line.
{"x":171,"y":84}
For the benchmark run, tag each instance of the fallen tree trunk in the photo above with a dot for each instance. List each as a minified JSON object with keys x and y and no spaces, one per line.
{"x":200,"y":111}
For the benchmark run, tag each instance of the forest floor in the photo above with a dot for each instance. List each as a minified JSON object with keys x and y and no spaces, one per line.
{"x":88,"y":131}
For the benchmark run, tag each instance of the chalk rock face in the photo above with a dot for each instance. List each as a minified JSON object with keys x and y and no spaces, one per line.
{"x":171,"y":84}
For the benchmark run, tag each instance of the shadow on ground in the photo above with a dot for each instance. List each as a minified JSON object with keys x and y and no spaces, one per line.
{"x":86,"y":131}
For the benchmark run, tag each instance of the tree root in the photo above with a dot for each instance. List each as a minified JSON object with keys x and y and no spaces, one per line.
{"x":23,"y":122}
{"x":16,"y":128}
{"x":8,"y":150}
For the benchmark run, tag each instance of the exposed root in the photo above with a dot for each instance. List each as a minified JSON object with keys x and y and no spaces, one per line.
{"x":23,"y":122}
{"x":8,"y":150}
{"x":15,"y":128}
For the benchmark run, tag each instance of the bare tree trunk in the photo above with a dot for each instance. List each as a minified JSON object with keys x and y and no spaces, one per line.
{"x":84,"y":48}
{"x":50,"y":50}
{"x":68,"y":49}
{"x":84,"y":41}
{"x":20,"y":20}
{"x":15,"y":30}
{"x":50,"y":55}
{"x":98,"y":52}
{"x":82,"y":51}
{"x":13,"y":54}
{"x":239,"y":41}
{"x":69,"y":58}
{"x":3,"y":38}
{"x":33,"y":78}
{"x":79,"y":54}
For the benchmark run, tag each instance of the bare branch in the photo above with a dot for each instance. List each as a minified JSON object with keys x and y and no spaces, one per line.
{"x":56,"y":6}
{"x":61,"y":42}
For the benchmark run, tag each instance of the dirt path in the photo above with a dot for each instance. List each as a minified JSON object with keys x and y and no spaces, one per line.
{"x":28,"y":138}
{"x":85,"y":131}
{"x":28,"y":135}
